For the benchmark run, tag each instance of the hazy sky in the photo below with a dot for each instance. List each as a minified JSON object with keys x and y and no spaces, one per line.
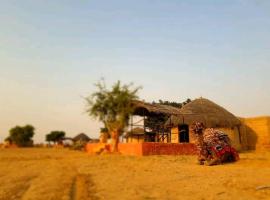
{"x":51,"y":53}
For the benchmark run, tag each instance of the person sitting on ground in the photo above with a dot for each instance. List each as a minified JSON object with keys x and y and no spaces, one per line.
{"x":213,"y":146}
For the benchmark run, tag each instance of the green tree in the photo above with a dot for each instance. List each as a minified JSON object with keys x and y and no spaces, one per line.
{"x":112,"y":107}
{"x":21,"y":135}
{"x":55,"y":136}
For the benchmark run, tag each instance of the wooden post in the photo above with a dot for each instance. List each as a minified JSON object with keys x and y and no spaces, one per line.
{"x":131,"y":124}
{"x":144,"y":125}
{"x":170,"y":140}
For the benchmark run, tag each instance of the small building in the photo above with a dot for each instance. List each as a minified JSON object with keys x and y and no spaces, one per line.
{"x":81,"y":138}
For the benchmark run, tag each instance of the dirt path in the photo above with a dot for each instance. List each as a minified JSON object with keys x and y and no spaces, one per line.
{"x":68,"y":175}
{"x":83,"y":188}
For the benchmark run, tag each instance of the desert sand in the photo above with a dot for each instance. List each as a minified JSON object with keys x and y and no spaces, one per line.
{"x":68,"y":175}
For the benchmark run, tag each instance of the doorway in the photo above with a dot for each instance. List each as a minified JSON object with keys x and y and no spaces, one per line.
{"x":183,"y":133}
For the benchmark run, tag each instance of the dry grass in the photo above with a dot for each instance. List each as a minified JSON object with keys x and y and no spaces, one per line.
{"x":63,"y":174}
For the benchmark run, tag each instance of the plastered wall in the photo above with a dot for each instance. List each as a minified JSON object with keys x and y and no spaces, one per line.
{"x":257,"y":132}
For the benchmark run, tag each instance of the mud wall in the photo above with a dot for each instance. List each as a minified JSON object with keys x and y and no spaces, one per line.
{"x":257,"y":132}
{"x":146,"y":148}
{"x":233,"y":133}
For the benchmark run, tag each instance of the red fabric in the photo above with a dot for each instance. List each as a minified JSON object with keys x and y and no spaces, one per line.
{"x":226,"y":149}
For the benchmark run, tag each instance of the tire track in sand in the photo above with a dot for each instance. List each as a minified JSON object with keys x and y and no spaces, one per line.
{"x":83,"y":188}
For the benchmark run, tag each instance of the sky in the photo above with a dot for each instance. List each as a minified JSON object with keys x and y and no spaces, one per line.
{"x":52,"y":53}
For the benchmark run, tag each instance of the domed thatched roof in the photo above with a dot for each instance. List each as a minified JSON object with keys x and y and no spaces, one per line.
{"x":206,"y":111}
{"x":81,"y":137}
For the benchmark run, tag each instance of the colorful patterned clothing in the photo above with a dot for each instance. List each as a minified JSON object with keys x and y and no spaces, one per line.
{"x":215,"y":145}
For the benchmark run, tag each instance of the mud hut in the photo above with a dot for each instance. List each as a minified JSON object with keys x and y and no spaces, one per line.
{"x":81,"y":138}
{"x":211,"y":114}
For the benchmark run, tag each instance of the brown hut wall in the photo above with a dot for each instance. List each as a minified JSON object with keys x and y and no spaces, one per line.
{"x":174,"y":135}
{"x":233,"y":134}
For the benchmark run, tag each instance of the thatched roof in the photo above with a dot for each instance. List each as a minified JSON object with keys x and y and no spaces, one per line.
{"x":81,"y":137}
{"x":143,"y":108}
{"x":206,"y":111}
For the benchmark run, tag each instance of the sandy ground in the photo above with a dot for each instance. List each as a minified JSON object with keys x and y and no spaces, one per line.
{"x":69,"y":175}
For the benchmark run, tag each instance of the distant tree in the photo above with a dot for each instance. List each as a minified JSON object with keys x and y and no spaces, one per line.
{"x":55,"y":136}
{"x":112,"y":107}
{"x":156,"y":122}
{"x":21,"y":135}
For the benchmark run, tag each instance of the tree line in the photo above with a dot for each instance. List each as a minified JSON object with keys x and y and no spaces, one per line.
{"x":22,"y":136}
